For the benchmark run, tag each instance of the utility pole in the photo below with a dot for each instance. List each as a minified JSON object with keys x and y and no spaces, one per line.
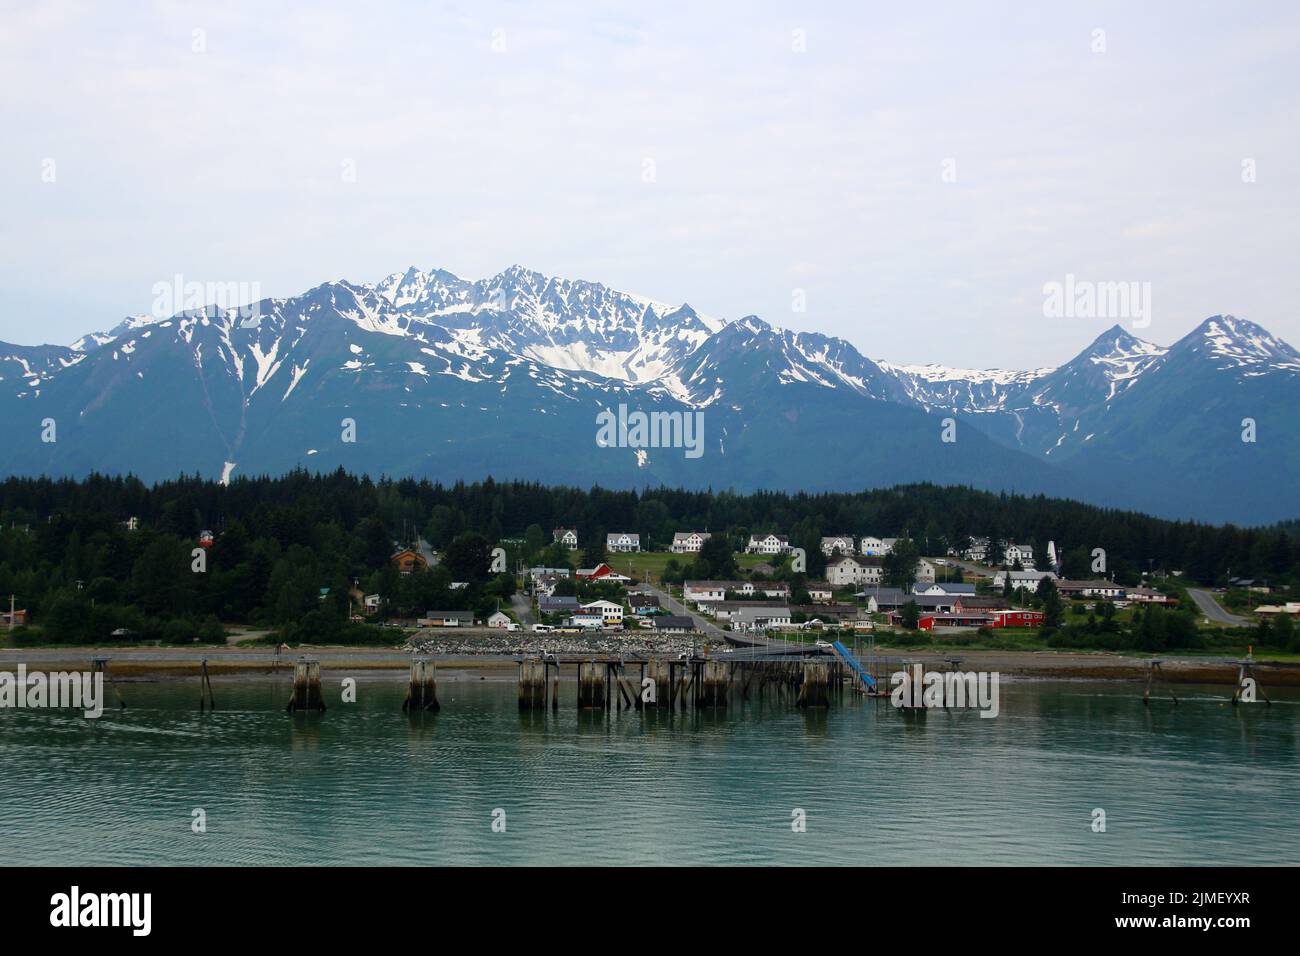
{"x":11,"y":612}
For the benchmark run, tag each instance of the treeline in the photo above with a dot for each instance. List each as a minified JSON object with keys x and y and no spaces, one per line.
{"x":290,"y":550}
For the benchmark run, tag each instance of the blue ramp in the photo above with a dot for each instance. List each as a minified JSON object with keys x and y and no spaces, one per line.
{"x":852,"y":661}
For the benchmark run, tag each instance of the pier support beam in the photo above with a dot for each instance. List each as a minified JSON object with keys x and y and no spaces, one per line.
{"x":205,"y":683}
{"x":1153,"y":669}
{"x":306,"y":687}
{"x":814,"y":688}
{"x":712,"y":683}
{"x":532,"y":685}
{"x":100,"y":664}
{"x":661,"y":672}
{"x":592,"y":685}
{"x":422,"y":692}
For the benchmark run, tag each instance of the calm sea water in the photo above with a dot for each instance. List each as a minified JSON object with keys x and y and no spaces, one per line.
{"x":366,"y":784}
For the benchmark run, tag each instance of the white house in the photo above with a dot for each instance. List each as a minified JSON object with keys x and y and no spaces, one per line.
{"x":1019,"y":552}
{"x":689,"y":542}
{"x":820,"y":592}
{"x":853,"y":570}
{"x":1022,"y":579}
{"x":1098,"y":588}
{"x":545,"y":587}
{"x":925,"y":572}
{"x":877,"y":547}
{"x":567,"y":537}
{"x":760,"y":618}
{"x":622,"y":541}
{"x":767,"y":544}
{"x":843,"y":543}
{"x":536,"y":573}
{"x":978,"y":550}
{"x":372,"y":603}
{"x":697,"y":591}
{"x":933,"y":588}
{"x":770,"y":589}
{"x":610,"y":613}
{"x":499,"y":619}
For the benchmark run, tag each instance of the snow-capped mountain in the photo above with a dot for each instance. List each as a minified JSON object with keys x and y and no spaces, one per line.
{"x":962,"y":389}
{"x":563,"y":323}
{"x":447,"y":377}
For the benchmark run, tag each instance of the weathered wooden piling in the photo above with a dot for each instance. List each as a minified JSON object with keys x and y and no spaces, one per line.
{"x":532,"y":684}
{"x":422,"y":691}
{"x":627,"y":694}
{"x":660,"y":672}
{"x":100,"y":664}
{"x":593,"y":685}
{"x":1154,"y":672}
{"x":1246,"y":669}
{"x":306,"y":687}
{"x":712,"y":683}
{"x":205,"y":683}
{"x":814,"y":685}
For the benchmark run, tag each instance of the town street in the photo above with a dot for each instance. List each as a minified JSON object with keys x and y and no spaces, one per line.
{"x":1212,"y":609}
{"x":673,"y":606}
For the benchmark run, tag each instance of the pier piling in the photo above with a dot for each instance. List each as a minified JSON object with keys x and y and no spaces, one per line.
{"x":101,"y":665}
{"x":205,"y":683}
{"x":593,"y":687}
{"x":712,"y":683}
{"x":1154,"y":671}
{"x":814,"y":687}
{"x":306,"y":687}
{"x":422,"y":691}
{"x":532,"y":684}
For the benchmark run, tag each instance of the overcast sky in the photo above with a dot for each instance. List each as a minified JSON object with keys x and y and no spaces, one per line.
{"x":798,"y":146}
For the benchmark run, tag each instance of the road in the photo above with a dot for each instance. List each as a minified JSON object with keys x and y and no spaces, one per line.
{"x":427,"y":552}
{"x":1213,"y":609}
{"x":968,"y":567}
{"x":672,"y":605}
{"x":712,"y":631}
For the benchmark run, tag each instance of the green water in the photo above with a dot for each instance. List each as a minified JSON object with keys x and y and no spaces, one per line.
{"x":365,"y":784}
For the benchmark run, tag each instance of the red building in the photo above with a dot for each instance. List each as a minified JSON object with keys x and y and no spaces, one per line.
{"x":1016,"y":617}
{"x":601,"y":572}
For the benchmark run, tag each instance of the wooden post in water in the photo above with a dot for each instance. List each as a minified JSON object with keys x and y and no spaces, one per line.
{"x":814,"y":690}
{"x":532,"y":685}
{"x":422,"y":691}
{"x":101,"y":665}
{"x":306,"y":687}
{"x":714,"y":683}
{"x":661,"y":673}
{"x":591,"y":689}
{"x":205,"y":682}
{"x":1246,"y":669}
{"x":1153,"y":667}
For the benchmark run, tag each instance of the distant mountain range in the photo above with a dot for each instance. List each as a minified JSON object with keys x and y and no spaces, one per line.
{"x":450,"y":378}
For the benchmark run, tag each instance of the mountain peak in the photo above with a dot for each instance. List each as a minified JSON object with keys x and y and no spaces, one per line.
{"x":1240,"y":342}
{"x":1118,"y":342}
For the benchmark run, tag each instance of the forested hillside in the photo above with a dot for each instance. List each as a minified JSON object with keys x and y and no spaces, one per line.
{"x":71,"y":561}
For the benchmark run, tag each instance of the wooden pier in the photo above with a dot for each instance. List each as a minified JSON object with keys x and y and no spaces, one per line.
{"x":808,"y":677}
